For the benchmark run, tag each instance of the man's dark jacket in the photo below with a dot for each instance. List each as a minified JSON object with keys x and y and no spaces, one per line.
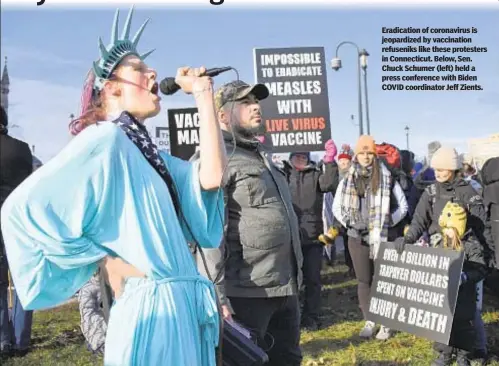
{"x":16,"y":164}
{"x":261,"y":252}
{"x":307,"y":187}
{"x":490,"y":181}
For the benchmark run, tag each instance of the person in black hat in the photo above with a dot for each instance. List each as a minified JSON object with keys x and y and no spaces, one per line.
{"x":259,"y":262}
{"x":16,"y":164}
{"x":308,"y":181}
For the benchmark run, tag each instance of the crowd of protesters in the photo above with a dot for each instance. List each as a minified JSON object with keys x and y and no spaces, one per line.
{"x":362,"y":197}
{"x":279,"y":218}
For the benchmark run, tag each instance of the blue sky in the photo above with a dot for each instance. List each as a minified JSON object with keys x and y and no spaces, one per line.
{"x":50,"y":51}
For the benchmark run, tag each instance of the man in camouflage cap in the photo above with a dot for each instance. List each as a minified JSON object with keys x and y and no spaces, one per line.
{"x":237,"y":96}
{"x":259,"y":281}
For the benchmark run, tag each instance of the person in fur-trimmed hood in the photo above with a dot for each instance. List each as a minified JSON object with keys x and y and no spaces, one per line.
{"x":308,"y":181}
{"x":362,"y":205}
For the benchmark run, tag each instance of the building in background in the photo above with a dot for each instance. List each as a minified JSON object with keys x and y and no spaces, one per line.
{"x":4,"y":101}
{"x":5,"y":88}
{"x":482,"y":149}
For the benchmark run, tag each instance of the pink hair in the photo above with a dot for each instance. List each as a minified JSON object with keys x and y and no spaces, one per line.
{"x":90,"y":107}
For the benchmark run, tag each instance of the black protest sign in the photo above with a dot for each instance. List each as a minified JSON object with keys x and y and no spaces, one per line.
{"x":296,"y":113}
{"x":162,"y":138}
{"x":416,"y":292}
{"x":184,"y":132}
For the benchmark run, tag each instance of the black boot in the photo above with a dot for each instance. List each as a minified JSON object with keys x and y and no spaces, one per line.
{"x":5,"y":351}
{"x":442,"y":360}
{"x":444,"y":353}
{"x":480,"y":357}
{"x":309,"y":324}
{"x":463,"y":358}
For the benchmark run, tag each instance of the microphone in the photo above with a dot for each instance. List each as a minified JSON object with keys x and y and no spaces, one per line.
{"x":168,"y":86}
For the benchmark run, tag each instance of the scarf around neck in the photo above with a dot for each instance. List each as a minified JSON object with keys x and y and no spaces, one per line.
{"x":378,"y":212}
{"x":138,"y":134}
{"x":362,"y":178}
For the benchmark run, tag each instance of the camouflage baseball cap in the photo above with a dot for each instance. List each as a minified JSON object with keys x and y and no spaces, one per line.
{"x":237,"y":90}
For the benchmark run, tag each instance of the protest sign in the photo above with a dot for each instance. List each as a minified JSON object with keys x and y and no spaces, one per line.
{"x":162,"y":138}
{"x":184,"y":132}
{"x":416,"y":292}
{"x":296,"y":113}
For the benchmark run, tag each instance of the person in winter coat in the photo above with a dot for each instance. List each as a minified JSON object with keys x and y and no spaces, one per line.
{"x":344,"y":160}
{"x":470,"y":172}
{"x":16,"y":164}
{"x":450,"y":188}
{"x":426,"y":175}
{"x":469,"y":175}
{"x":393,"y":159}
{"x":93,"y":323}
{"x":490,"y":180}
{"x":362,"y":205}
{"x":417,"y":169}
{"x":407,"y":161}
{"x":412,"y":193}
{"x":258,"y":266}
{"x":307,"y":183}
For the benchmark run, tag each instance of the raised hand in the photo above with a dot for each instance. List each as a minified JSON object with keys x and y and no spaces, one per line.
{"x":331,"y":151}
{"x":192,"y":80}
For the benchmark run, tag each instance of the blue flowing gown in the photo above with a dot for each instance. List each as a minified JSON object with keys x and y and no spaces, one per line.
{"x":100,"y":196}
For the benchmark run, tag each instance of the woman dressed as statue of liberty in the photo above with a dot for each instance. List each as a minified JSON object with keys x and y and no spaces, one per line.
{"x":111,"y":198}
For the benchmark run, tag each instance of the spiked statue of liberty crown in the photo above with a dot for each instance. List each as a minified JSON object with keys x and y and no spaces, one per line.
{"x":118,"y":49}
{"x":102,"y":69}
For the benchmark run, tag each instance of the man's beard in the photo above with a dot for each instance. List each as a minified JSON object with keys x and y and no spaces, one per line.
{"x":248,"y":132}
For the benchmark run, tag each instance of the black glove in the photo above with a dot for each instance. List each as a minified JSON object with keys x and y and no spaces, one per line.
{"x":399,"y":245}
{"x":360,"y":227}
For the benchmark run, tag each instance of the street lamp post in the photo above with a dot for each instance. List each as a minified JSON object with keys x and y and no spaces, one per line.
{"x":336,"y":65}
{"x":407,"y":136}
{"x":363,"y":64}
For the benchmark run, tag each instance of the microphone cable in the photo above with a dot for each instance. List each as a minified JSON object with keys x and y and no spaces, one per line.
{"x":196,"y":243}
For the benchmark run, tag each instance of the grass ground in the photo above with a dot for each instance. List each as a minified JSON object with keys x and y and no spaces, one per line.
{"x":57,"y":340}
{"x":338,"y":343}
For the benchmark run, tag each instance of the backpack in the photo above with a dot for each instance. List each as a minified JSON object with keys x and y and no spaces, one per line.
{"x":434,"y":193}
{"x":391,"y":157}
{"x":390,"y":154}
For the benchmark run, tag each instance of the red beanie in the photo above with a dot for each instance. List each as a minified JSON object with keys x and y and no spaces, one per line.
{"x":345,"y":152}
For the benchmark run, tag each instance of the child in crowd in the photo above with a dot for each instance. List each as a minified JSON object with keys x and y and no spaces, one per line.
{"x":453,"y":215}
